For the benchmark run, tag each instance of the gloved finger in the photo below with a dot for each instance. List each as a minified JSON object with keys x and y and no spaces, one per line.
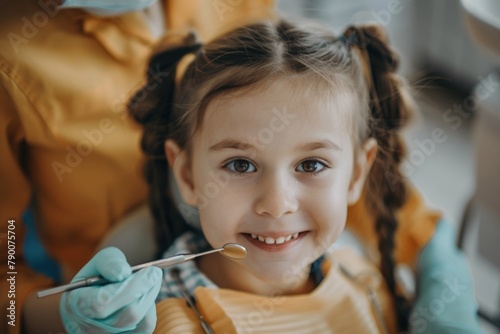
{"x":109,"y":263}
{"x":112,"y":308}
{"x":148,"y":323}
{"x":115,"y":307}
{"x":138,"y":310}
{"x":80,"y":310}
{"x":121,"y":304}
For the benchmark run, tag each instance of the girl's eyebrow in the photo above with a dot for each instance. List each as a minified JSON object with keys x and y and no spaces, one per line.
{"x":326,"y":143}
{"x":231,"y":143}
{"x":238,"y":145}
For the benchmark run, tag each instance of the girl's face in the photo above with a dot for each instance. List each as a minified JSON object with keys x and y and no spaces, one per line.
{"x":275,"y":172}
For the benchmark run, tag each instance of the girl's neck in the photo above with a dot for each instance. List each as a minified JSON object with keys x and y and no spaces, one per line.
{"x":228,"y":275}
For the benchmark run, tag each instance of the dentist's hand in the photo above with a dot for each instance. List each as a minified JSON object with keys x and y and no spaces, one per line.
{"x":445,"y":302}
{"x":126,"y":305}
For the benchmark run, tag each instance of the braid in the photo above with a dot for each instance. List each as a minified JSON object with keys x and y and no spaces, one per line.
{"x":386,"y":189}
{"x":152,"y":107}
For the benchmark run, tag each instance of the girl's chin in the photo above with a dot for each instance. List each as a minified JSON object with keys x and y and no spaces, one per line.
{"x":283,"y":287}
{"x":283,"y":276}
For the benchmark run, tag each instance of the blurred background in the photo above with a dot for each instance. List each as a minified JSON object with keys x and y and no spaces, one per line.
{"x":450,"y":55}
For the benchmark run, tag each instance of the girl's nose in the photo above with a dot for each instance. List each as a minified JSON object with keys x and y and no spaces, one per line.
{"x":276,"y":197}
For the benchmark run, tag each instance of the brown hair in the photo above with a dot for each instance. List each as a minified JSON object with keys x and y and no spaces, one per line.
{"x":360,"y":60}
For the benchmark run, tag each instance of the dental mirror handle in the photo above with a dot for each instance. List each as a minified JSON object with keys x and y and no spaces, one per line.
{"x":99,"y":280}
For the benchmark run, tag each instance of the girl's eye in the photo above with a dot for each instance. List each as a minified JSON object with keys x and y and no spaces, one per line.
{"x":240,"y":166}
{"x":311,"y":166}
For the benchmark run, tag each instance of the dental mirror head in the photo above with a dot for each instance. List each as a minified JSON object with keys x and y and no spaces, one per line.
{"x":234,"y":251}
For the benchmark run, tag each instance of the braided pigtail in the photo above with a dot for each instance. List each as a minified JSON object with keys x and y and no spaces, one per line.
{"x":390,"y":110}
{"x":152,"y":107}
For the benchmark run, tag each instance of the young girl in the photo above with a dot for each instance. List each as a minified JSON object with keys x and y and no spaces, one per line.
{"x":278,"y":134}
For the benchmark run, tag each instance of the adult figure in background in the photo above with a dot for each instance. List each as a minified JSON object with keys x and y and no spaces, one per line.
{"x":68,"y":147}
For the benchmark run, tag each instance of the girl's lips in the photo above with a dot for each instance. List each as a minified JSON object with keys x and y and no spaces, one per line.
{"x":277,"y":244}
{"x":278,"y":239}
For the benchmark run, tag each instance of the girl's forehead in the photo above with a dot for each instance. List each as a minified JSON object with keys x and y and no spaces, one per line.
{"x":294,"y":103}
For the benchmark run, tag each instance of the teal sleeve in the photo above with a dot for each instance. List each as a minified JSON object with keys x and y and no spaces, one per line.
{"x":445,"y":301}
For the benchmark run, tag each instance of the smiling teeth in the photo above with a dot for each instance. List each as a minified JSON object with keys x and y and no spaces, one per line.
{"x":271,"y":240}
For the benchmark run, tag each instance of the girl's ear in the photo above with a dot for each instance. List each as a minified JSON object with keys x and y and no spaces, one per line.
{"x":179,"y":162}
{"x":362,"y":165}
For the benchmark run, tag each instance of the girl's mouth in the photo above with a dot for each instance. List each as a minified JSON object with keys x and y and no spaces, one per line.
{"x":278,"y":240}
{"x":276,"y":243}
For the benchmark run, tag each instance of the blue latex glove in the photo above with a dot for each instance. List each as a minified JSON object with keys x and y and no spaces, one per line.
{"x":445,"y":299}
{"x":128,"y":305}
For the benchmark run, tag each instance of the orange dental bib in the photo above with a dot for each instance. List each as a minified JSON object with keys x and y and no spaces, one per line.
{"x":352,"y":298}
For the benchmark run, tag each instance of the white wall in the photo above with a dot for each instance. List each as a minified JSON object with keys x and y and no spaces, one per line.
{"x":428,"y":33}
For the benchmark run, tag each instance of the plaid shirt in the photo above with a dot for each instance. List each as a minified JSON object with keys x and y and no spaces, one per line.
{"x":188,"y":243}
{"x":192,"y":277}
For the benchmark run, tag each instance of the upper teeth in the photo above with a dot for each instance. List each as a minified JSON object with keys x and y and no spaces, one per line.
{"x":271,"y":240}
